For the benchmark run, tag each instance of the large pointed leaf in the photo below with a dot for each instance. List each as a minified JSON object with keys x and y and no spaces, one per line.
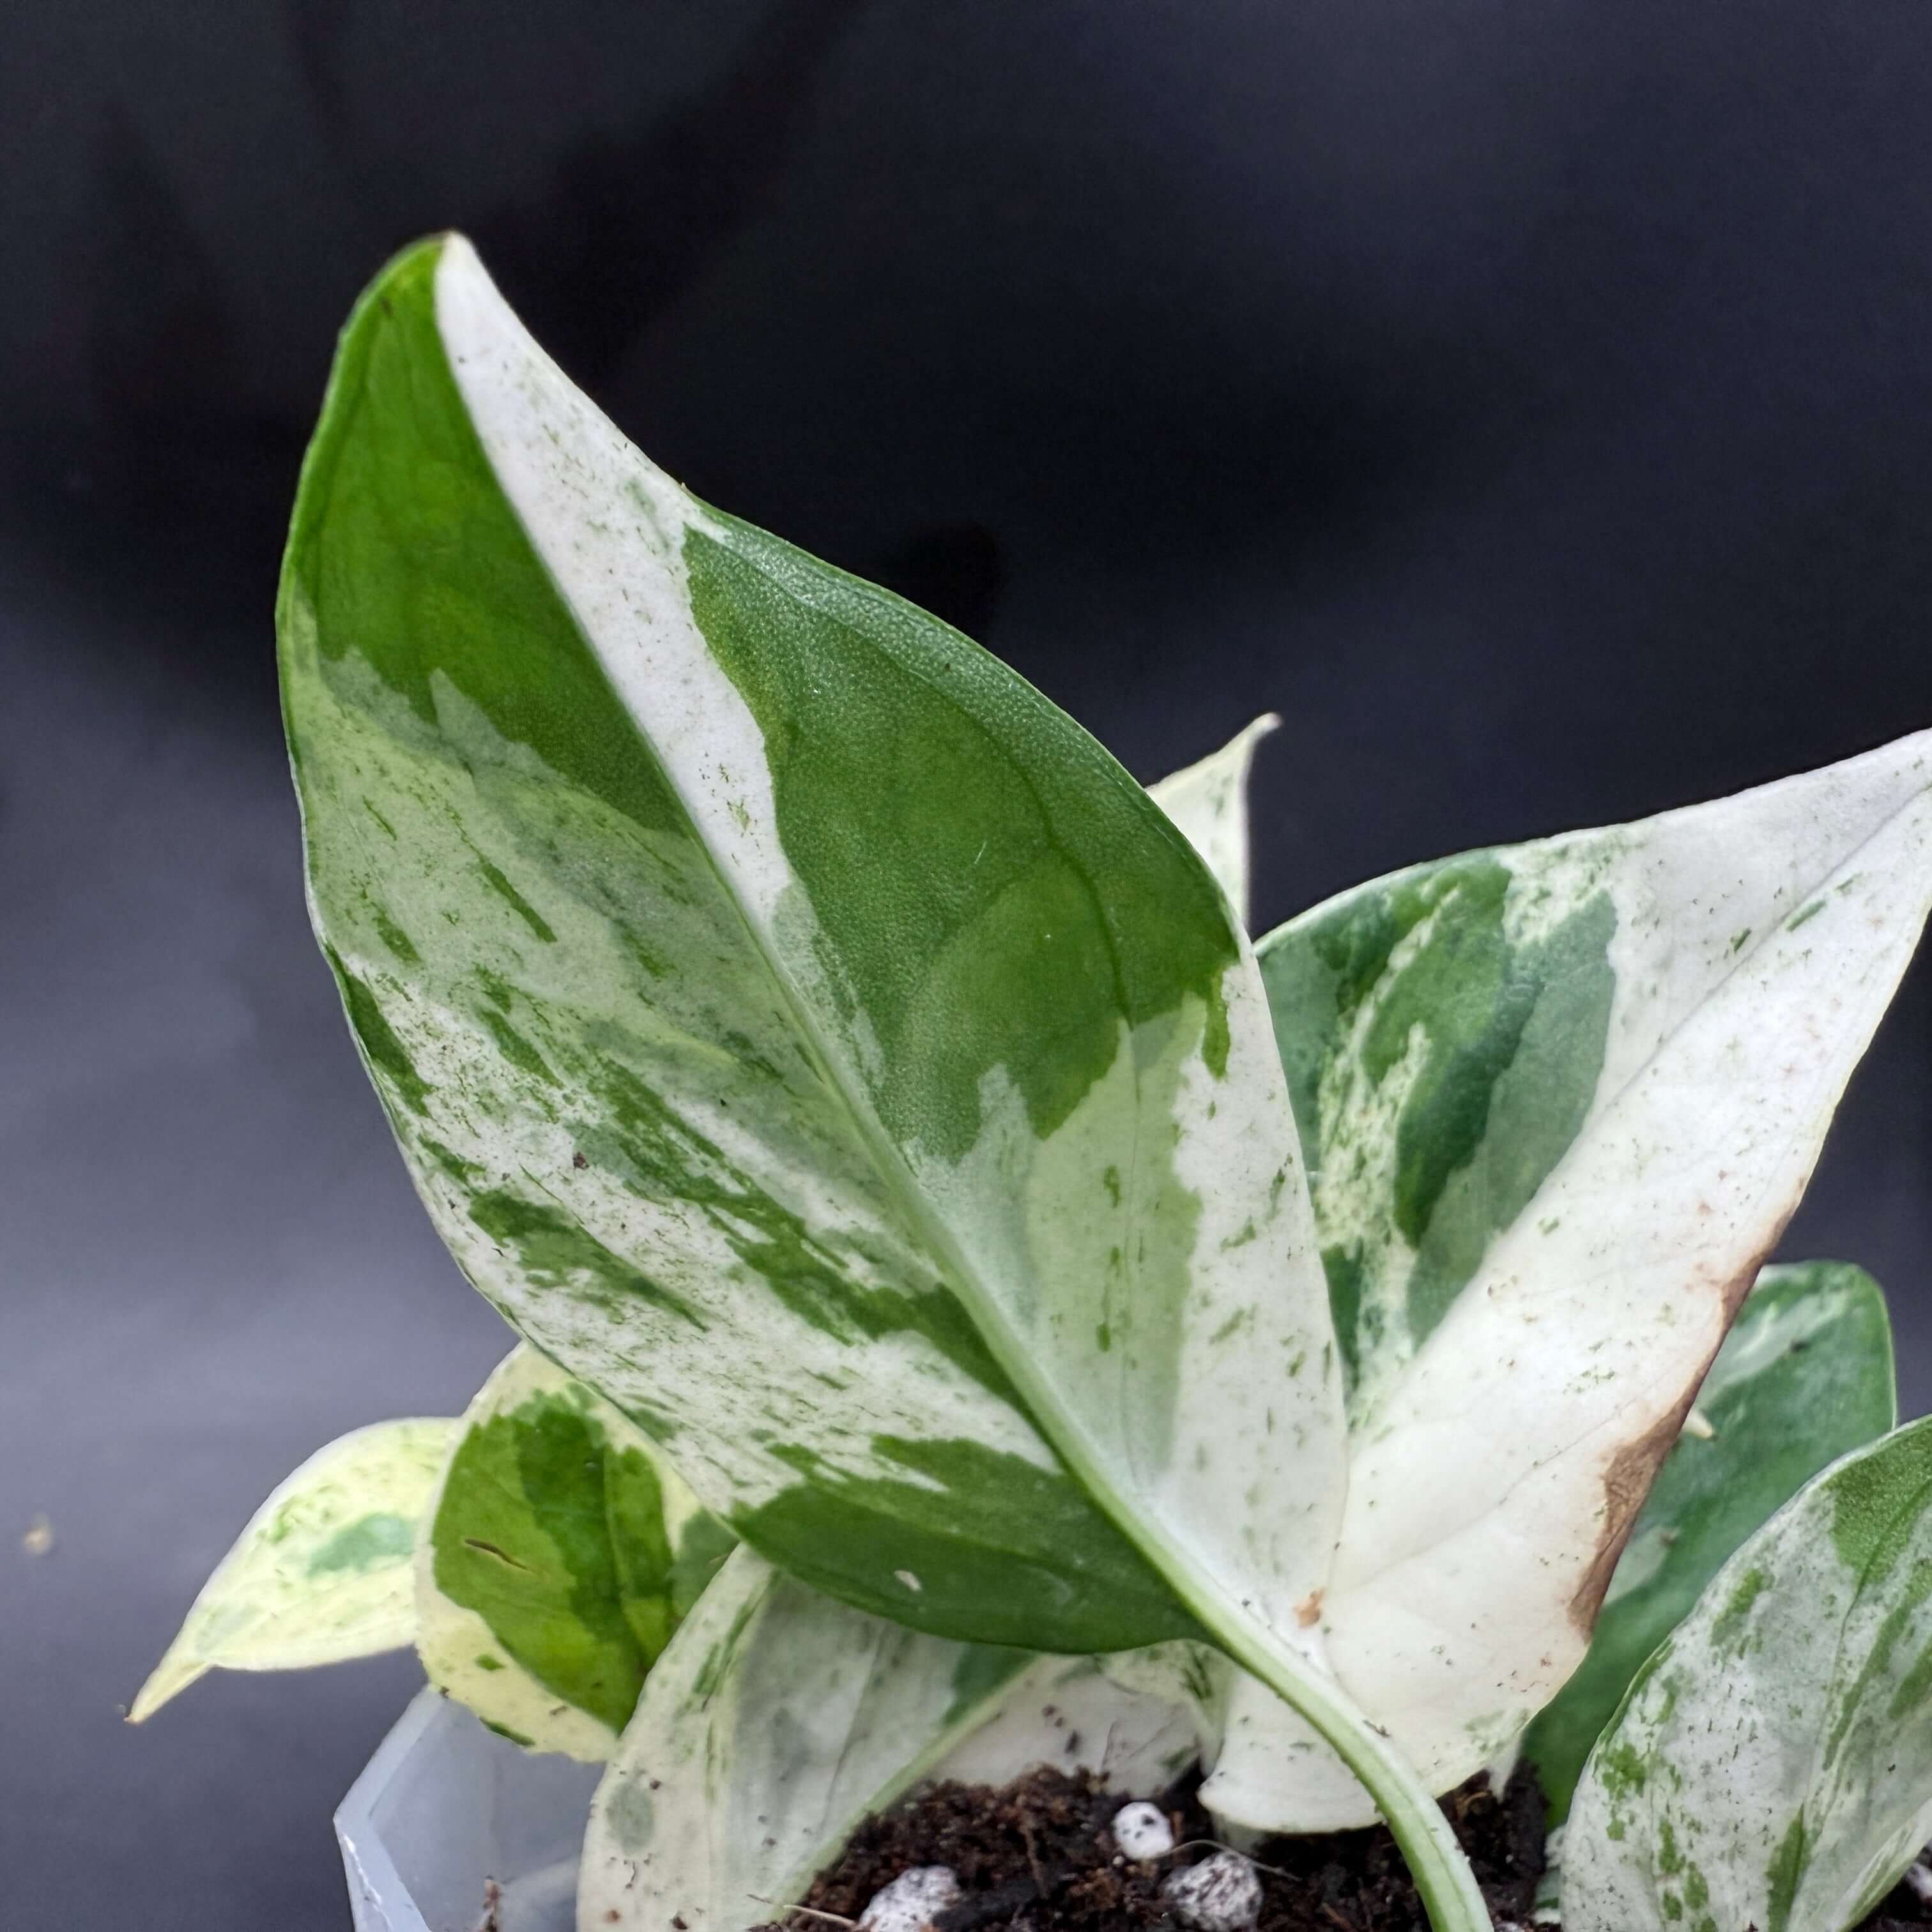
{"x":798,"y":1027}
{"x":322,"y":1573}
{"x":778,"y":1719}
{"x":1558,"y":1100}
{"x":563,"y":1552}
{"x":1208,"y":802}
{"x":1804,"y":1377}
{"x":1772,"y":1764}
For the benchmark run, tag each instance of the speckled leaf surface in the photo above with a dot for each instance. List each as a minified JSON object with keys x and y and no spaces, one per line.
{"x":799,"y":1029}
{"x":1558,"y":1102}
{"x":779,"y":1718}
{"x":1804,"y":1377}
{"x":1208,"y":803}
{"x":1772,"y":1764}
{"x":323,"y":1572}
{"x":562,"y":1553}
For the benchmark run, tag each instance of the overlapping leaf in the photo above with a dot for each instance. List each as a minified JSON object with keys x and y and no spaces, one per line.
{"x":562,"y":1553}
{"x":779,"y":1718}
{"x":323,"y":1572}
{"x":1804,"y":1377}
{"x":801,"y":1029}
{"x":1557,"y":1102}
{"x":1208,"y":802}
{"x":1772,"y":1764}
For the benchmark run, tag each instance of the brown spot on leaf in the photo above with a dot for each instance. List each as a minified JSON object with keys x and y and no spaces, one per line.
{"x":1627,"y":1480}
{"x":1309,"y":1610}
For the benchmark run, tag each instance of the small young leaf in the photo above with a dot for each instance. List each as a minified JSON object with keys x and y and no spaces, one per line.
{"x":1558,"y":1102}
{"x":1208,"y":802}
{"x":779,"y":1718}
{"x":1772,"y":1763}
{"x":322,"y":1573}
{"x":562,"y":1553}
{"x":1804,"y":1377}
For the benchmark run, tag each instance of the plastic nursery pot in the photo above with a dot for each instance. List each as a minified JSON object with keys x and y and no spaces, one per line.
{"x":445,"y":1806}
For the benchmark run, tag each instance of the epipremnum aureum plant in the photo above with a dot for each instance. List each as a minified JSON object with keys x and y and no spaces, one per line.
{"x":907,"y":1176}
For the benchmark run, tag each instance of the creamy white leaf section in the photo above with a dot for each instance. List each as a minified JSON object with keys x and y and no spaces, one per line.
{"x":778,"y":1719}
{"x":1757,"y":942}
{"x":323,"y":1572}
{"x":1208,"y":802}
{"x":1144,"y":1270}
{"x":1772,"y":1764}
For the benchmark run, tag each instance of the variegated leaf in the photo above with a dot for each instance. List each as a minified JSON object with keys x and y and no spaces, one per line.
{"x":561,"y":1554}
{"x":1772,"y":1764}
{"x":322,"y":1573}
{"x":800,"y":1029}
{"x":1558,"y":1101}
{"x":1804,"y":1377}
{"x":778,"y":1719}
{"x":1208,"y":801}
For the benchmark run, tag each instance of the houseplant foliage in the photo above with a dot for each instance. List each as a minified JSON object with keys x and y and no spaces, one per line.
{"x":867,"y":1102}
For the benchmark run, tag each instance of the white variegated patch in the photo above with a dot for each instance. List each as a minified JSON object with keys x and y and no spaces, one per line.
{"x":1208,"y":801}
{"x":1212,"y":1433}
{"x":322,"y":1573}
{"x":1772,"y":1764}
{"x":778,"y":1719}
{"x":1756,"y":943}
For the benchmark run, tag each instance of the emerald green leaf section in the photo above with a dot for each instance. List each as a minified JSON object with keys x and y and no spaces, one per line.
{"x":1443,"y":1046}
{"x":562,"y":1555}
{"x":779,"y":1718}
{"x":322,"y":1573}
{"x":1558,"y":1101}
{"x":1771,"y":1765}
{"x":1804,"y":1377}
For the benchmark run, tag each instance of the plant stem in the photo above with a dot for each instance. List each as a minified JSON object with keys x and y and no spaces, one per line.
{"x":1435,"y":1861}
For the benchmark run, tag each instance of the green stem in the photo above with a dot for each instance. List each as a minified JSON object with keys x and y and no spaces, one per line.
{"x":1435,"y":1861}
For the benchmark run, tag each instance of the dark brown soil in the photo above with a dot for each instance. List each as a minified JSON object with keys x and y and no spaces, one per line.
{"x":1040,"y":1856}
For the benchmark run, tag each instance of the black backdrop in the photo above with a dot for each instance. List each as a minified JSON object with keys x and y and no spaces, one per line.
{"x":1528,"y":399}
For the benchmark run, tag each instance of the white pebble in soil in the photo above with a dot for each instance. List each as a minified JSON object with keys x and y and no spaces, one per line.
{"x":1142,"y":1831}
{"x":911,"y":1900}
{"x":1222,"y":1894}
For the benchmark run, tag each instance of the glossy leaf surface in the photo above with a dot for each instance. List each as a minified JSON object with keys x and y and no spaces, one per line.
{"x":1772,"y":1764}
{"x":1804,"y":1377}
{"x":323,"y":1572}
{"x":1558,"y":1102}
{"x":563,"y":1552}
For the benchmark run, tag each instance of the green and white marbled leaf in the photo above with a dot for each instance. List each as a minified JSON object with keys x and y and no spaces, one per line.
{"x":1804,"y":1377}
{"x":323,"y":1572}
{"x":777,"y":1719}
{"x":1772,"y":1764}
{"x":802,"y":1031}
{"x":1208,"y":802}
{"x":1558,"y":1101}
{"x":563,"y":1552}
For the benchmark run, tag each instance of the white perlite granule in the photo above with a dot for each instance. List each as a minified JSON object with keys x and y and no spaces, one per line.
{"x":910,"y":1900}
{"x":1222,"y":1894}
{"x":1142,"y":1831}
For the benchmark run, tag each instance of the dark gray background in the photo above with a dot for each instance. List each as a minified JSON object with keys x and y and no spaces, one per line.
{"x":1528,"y":398}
